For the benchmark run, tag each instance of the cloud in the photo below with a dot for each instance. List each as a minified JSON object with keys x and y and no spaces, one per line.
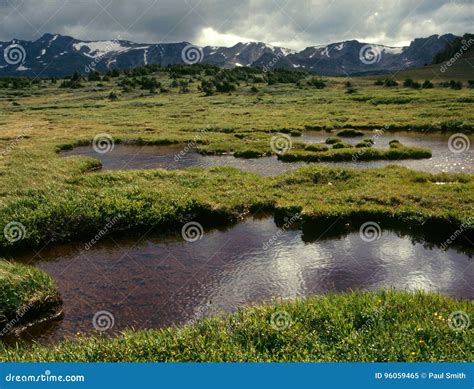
{"x":290,"y":23}
{"x":210,"y":37}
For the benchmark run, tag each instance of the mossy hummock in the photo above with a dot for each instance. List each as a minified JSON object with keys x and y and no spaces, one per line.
{"x":27,"y":295}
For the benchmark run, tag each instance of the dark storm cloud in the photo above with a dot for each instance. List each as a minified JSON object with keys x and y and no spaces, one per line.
{"x":293,"y":23}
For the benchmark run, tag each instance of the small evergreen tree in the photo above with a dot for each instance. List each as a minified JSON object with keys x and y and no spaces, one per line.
{"x":427,"y":84}
{"x":93,"y":76}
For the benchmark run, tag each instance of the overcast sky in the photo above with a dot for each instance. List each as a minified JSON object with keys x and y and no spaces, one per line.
{"x":289,"y":23}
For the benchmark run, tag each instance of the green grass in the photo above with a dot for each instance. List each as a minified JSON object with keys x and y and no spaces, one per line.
{"x":342,"y":145}
{"x":350,"y":133}
{"x":26,"y":294}
{"x":333,"y":139}
{"x":243,"y":123}
{"x":371,"y":326}
{"x":342,"y":151}
{"x":59,"y":199}
{"x":460,"y":70}
{"x":365,"y":143}
{"x":141,"y":199}
{"x":316,"y":147}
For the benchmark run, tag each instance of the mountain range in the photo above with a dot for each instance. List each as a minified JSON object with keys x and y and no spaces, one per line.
{"x":54,"y":55}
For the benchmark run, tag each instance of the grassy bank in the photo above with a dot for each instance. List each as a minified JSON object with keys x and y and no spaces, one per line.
{"x":56,"y":200}
{"x":26,"y":294}
{"x":167,"y":199}
{"x":349,"y":153}
{"x":371,"y":326}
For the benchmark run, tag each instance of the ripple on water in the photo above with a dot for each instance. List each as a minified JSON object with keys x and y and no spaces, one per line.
{"x":156,"y":282}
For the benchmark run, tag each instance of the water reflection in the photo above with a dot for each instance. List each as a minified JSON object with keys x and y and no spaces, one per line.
{"x":160,"y":281}
{"x":124,"y":157}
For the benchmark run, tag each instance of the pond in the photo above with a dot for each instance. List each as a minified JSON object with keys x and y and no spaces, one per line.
{"x":125,"y":157}
{"x":443,"y":159}
{"x":158,"y":281}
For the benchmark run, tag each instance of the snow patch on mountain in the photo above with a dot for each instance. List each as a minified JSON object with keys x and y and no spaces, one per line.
{"x":338,"y":58}
{"x":100,"y":48}
{"x":43,"y":52}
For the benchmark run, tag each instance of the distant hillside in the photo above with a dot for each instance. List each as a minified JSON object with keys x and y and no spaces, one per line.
{"x":459,"y":46}
{"x":453,"y":63}
{"x":57,"y":55}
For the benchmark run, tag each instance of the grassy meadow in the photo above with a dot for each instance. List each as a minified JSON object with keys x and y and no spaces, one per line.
{"x":60,"y":199}
{"x":378,"y":326}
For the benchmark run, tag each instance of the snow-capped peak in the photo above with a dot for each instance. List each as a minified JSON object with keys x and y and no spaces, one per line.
{"x":100,"y":48}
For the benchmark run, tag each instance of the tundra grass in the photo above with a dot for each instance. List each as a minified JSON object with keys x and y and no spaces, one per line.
{"x":45,"y":119}
{"x":25,"y":293}
{"x":346,"y":152}
{"x":349,"y":133}
{"x":356,"y":326}
{"x":84,"y":203}
{"x":58,"y":199}
{"x":282,"y":106}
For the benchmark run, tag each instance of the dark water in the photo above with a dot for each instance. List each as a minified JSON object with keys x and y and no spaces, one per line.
{"x":124,"y":157}
{"x":154,"y":282}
